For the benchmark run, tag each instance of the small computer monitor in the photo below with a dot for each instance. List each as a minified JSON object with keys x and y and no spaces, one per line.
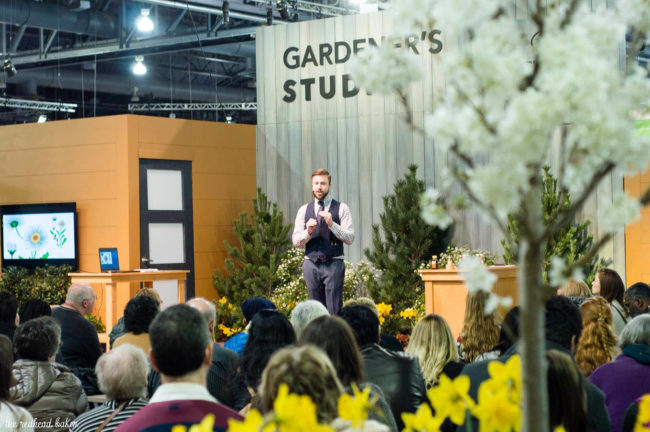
{"x":108,"y":260}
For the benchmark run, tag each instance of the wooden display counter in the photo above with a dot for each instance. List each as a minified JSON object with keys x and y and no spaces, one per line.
{"x":445,"y":292}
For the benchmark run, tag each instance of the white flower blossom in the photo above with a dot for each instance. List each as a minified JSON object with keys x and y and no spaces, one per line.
{"x":386,"y":69}
{"x":621,"y":211}
{"x":557,"y":272}
{"x":432,"y":211}
{"x":636,"y":13}
{"x":494,"y":301}
{"x":476,"y":276}
{"x":412,"y":15}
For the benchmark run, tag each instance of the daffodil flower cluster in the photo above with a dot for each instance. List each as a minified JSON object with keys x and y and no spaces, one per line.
{"x":642,"y":423}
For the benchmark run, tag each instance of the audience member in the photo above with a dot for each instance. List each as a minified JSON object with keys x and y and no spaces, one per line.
{"x":566,"y":394}
{"x":597,"y":344}
{"x":637,"y":299}
{"x":34,"y":308}
{"x":122,"y":377}
{"x":49,"y":391}
{"x":434,"y":346}
{"x":574,"y":288}
{"x":8,"y":314}
{"x":269,"y":331}
{"x":249,"y":308}
{"x":480,"y":330}
{"x":628,"y":376}
{"x":118,"y":329}
{"x":398,"y":374}
{"x":304,"y":313}
{"x":508,"y":335}
{"x":387,"y":341}
{"x":334,"y":336}
{"x":307,"y":371}
{"x":138,"y":315}
{"x":12,"y":417}
{"x":608,"y":284}
{"x":181,"y":350}
{"x":563,"y":327}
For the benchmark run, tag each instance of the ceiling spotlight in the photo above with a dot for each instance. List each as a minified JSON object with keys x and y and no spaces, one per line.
{"x":283,"y":9}
{"x":228,"y":119}
{"x":143,"y":23}
{"x":134,"y":96}
{"x":139,"y":68}
{"x":8,"y":68}
{"x":42,"y":118}
{"x":225,"y":10}
{"x":269,"y":16}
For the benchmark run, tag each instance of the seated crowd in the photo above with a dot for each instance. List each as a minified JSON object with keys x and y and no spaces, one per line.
{"x":164,"y":368}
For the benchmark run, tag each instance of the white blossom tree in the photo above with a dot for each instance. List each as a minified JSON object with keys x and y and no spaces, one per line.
{"x":515,"y":89}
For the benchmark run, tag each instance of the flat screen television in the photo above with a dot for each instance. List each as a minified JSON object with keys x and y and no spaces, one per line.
{"x":37,"y":234}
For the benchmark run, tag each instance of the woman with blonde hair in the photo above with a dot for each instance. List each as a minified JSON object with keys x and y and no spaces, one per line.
{"x":434,"y":346}
{"x":480,"y":330}
{"x":574,"y":288}
{"x":597,"y":343}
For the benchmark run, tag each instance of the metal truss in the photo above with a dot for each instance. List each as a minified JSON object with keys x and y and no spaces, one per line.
{"x":306,"y":6}
{"x":38,"y":105}
{"x":233,"y":106}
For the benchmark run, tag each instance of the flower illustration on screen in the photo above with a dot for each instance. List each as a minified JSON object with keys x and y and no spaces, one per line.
{"x":58,"y":234}
{"x":35,"y":237}
{"x":11,"y":248}
{"x":15,"y":223}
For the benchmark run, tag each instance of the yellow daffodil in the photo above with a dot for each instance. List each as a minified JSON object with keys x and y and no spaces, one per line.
{"x":205,"y":425}
{"x":451,"y":399}
{"x":497,"y":413}
{"x":421,"y":421}
{"x":559,"y":428}
{"x":504,"y":377}
{"x":355,"y":408}
{"x":286,"y":407}
{"x":384,"y":309}
{"x":408,"y":313}
{"x":223,"y":300}
{"x":643,"y":417}
{"x":251,"y":423}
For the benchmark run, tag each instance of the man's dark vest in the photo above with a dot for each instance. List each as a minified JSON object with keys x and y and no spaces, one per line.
{"x":323,"y":245}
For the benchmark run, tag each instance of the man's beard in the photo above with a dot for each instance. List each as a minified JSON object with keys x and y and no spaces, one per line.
{"x":323,"y":197}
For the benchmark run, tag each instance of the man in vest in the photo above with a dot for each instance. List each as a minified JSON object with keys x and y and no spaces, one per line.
{"x":321,"y":227}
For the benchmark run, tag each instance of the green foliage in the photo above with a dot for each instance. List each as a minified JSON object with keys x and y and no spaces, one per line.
{"x":571,"y":243}
{"x":251,"y":267}
{"x":402,"y":243}
{"x":97,"y":322}
{"x":455,"y":254}
{"x":48,"y":283}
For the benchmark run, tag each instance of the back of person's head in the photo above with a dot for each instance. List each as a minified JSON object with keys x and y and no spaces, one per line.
{"x":305,"y":312}
{"x":433,"y":344}
{"x":149,"y":292}
{"x":179,"y":336}
{"x":363,"y":322}
{"x":122,"y":373}
{"x":37,"y":339}
{"x":480,"y":330}
{"x":78,"y":292}
{"x":597,"y":339}
{"x":611,"y":285}
{"x":6,"y":363}
{"x":639,"y":290}
{"x":34,"y":308}
{"x":363,"y":301}
{"x":306,"y":371}
{"x":269,"y":331}
{"x":139,"y":313}
{"x":637,"y":298}
{"x":563,"y":323}
{"x":566,"y":394}
{"x":253,"y":305}
{"x":205,"y":307}
{"x":574,"y":288}
{"x":334,"y":336}
{"x":509,"y":332}
{"x":8,"y":307}
{"x":636,"y":331}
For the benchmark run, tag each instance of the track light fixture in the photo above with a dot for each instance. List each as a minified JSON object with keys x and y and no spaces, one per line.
{"x":8,"y":68}
{"x":139,"y":68}
{"x":143,"y":23}
{"x":269,"y":16}
{"x":283,"y":8}
{"x":225,"y":10}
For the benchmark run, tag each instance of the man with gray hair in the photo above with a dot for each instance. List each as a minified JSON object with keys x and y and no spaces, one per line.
{"x":80,"y":347}
{"x":122,"y":376}
{"x":304,"y":313}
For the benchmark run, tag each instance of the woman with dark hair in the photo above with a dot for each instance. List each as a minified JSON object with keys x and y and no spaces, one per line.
{"x":8,"y":314}
{"x":10,"y":414}
{"x":608,"y":284}
{"x":48,"y":390}
{"x":269,"y":331}
{"x":34,"y":308}
{"x":138,"y":315}
{"x":566,"y":393}
{"x":334,"y":336}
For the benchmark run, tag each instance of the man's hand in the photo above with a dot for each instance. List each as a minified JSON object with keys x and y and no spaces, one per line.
{"x":311,"y":224}
{"x":327,"y":216}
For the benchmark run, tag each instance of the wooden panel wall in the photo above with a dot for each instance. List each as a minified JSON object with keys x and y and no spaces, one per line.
{"x":363,"y":141}
{"x":94,"y":162}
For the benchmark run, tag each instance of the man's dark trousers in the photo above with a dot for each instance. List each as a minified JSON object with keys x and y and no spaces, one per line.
{"x":325,"y":282}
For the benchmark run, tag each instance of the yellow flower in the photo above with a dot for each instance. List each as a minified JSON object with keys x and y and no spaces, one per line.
{"x":381,"y":319}
{"x":421,"y":421}
{"x":496,"y":412}
{"x":643,"y":417}
{"x":205,"y":425}
{"x":384,"y":309}
{"x":286,"y":405}
{"x":408,"y":313}
{"x":223,"y":300}
{"x":450,"y":398}
{"x":251,"y":423}
{"x":559,"y":428}
{"x":230,"y":307}
{"x":504,"y":377}
{"x":227,"y":331}
{"x":355,"y":408}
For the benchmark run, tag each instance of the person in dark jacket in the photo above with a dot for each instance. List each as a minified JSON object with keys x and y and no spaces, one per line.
{"x":398,"y":374}
{"x":563,"y":327}
{"x":8,"y":316}
{"x":34,"y":308}
{"x":49,"y":390}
